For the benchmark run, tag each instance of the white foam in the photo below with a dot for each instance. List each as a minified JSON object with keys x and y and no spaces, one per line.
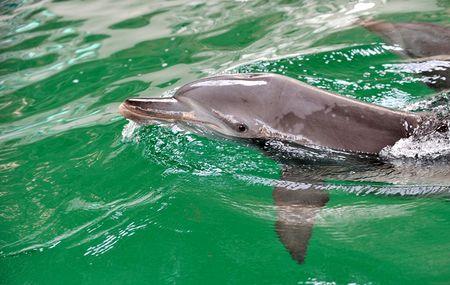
{"x":429,"y":147}
{"x":129,"y":131}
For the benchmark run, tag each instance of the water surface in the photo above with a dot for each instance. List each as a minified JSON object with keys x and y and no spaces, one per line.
{"x":82,"y":203}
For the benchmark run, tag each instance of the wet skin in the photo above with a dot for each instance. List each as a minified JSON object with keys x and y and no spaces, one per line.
{"x":270,"y":106}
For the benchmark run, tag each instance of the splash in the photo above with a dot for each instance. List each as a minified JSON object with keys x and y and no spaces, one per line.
{"x":129,"y":132}
{"x":431,"y":141}
{"x":429,"y":147}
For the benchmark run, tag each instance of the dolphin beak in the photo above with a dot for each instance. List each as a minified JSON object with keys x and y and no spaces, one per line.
{"x":146,"y":110}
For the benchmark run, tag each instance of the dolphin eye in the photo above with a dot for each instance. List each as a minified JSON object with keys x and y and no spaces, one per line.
{"x":241,"y":128}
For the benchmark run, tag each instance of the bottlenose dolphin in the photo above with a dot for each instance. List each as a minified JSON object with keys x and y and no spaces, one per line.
{"x":270,"y":106}
{"x":262,"y":107}
{"x":420,"y":42}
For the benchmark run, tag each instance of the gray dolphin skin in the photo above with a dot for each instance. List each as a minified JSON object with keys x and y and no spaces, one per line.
{"x":270,"y":106}
{"x":421,"y":42}
{"x":261,"y":107}
{"x":417,"y":40}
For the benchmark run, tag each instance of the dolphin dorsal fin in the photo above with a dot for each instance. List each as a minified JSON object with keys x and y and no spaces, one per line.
{"x":297,"y":210}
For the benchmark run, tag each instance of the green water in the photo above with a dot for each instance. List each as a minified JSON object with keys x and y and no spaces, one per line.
{"x":81,"y":204}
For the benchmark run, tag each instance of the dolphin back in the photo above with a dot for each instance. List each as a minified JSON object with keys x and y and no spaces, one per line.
{"x":422,"y":42}
{"x":418,"y":40}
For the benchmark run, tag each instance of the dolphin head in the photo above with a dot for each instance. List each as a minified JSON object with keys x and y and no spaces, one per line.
{"x":235,"y":106}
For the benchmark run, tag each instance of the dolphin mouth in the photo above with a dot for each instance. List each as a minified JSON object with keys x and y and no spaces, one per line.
{"x":146,"y":111}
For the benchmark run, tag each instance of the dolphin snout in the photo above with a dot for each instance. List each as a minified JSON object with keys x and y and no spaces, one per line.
{"x":144,"y":110}
{"x":146,"y":103}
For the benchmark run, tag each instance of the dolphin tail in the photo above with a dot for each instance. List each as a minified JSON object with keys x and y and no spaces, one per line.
{"x":296,"y":212}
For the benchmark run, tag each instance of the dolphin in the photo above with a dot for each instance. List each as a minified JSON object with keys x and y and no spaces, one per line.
{"x":271,"y":106}
{"x":422,"y":42}
{"x":268,"y":107}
